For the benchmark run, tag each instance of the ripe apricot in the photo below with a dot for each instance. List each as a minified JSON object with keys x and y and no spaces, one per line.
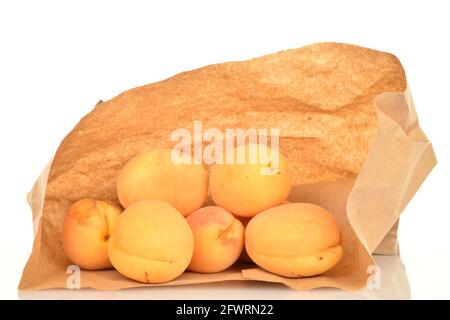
{"x":154,"y":175}
{"x":254,"y":185}
{"x":294,"y":240}
{"x":218,"y":239}
{"x":152,"y":242}
{"x":85,"y":232}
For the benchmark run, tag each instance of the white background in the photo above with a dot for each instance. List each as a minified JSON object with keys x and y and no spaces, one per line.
{"x":57,"y":59}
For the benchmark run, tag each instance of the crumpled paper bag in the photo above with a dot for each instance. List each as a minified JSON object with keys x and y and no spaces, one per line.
{"x":348,"y":129}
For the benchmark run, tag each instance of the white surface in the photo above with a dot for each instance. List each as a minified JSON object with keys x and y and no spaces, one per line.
{"x":57,"y":59}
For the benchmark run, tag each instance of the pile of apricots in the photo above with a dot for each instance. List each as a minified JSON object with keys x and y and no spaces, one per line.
{"x":162,"y":227}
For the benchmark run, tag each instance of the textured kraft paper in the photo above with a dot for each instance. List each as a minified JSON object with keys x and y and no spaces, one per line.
{"x":348,"y":128}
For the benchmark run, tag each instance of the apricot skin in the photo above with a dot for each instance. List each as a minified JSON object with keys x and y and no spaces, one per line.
{"x":152,"y":175}
{"x":294,"y":240}
{"x":242,"y":189}
{"x":152,"y":242}
{"x":218,"y":239}
{"x":85,"y":233}
{"x":245,"y":220}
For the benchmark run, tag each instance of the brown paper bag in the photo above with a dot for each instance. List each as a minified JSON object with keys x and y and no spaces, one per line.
{"x":348,"y":130}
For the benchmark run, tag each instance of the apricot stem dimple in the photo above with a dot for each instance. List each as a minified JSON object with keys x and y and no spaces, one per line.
{"x":107,"y":235}
{"x":224,"y":232}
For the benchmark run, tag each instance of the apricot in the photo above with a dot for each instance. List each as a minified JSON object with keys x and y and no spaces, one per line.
{"x":245,"y":220}
{"x":153,"y":175}
{"x":86,"y":229}
{"x":294,"y":240}
{"x":152,"y":242}
{"x":254,"y":185}
{"x":218,"y":239}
